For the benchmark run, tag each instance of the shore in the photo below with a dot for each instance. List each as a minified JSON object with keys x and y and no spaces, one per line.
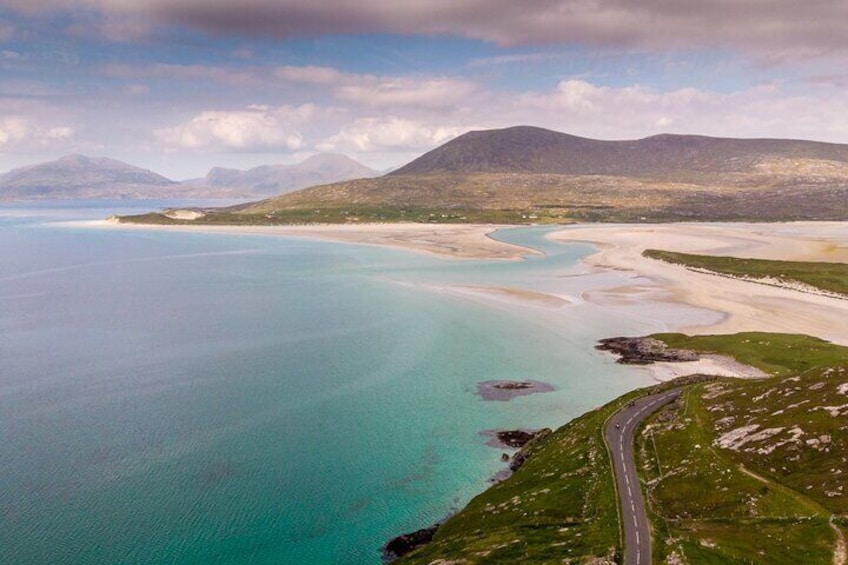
{"x":746,"y":306}
{"x":460,"y":241}
{"x":741,"y":305}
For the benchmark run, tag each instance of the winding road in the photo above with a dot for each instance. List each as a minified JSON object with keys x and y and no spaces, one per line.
{"x":619,"y":433}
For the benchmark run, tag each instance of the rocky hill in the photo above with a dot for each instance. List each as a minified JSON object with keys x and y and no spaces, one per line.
{"x":269,"y":180}
{"x":686,"y":158}
{"x":533,"y":175}
{"x":77,"y":176}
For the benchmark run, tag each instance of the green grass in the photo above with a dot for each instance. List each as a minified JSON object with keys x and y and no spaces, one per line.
{"x":828,"y":277}
{"x":770,"y":500}
{"x":776,"y":354}
{"x":559,"y":507}
{"x":705,"y":506}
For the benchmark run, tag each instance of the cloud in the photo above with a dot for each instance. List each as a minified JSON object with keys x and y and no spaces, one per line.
{"x":315,"y":75}
{"x":253,"y":128}
{"x":13,"y":129}
{"x":183,"y":72}
{"x":778,"y":28}
{"x":370,"y":134}
{"x":62,"y":132}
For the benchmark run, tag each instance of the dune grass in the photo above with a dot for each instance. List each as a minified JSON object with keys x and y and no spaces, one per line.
{"x":826,"y":277}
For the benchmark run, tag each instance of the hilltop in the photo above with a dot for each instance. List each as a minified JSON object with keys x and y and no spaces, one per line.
{"x":526,"y":174}
{"x":78,"y":176}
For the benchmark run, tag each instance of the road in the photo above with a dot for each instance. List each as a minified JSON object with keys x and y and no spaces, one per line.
{"x":619,"y":435}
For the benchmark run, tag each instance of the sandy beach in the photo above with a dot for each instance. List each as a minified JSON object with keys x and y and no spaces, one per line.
{"x":655,"y":287}
{"x":460,"y":241}
{"x":746,"y":306}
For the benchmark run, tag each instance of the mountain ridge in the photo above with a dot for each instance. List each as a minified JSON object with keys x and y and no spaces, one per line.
{"x":532,"y":175}
{"x":531,"y":149}
{"x":78,"y":176}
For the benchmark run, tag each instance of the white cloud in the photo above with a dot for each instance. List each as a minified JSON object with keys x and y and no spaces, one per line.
{"x":315,"y":75}
{"x":254,"y":128}
{"x":370,"y":134}
{"x":59,"y":133}
{"x":435,"y":93}
{"x":13,"y":129}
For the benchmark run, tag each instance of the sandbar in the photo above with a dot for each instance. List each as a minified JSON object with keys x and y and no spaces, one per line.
{"x":460,"y":241}
{"x":746,"y":306}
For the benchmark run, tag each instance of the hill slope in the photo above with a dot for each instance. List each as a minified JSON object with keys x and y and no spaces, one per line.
{"x":525,"y":149}
{"x":736,"y":471}
{"x":532,"y":175}
{"x":270,"y":180}
{"x":77,"y":176}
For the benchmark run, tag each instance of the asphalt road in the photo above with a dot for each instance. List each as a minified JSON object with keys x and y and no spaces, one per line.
{"x":619,"y":435}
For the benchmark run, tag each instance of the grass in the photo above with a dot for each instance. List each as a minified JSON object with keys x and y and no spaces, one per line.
{"x":767,"y":498}
{"x":560,"y":506}
{"x":827,"y":277}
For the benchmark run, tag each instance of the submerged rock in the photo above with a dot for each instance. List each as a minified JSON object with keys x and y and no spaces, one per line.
{"x":507,"y":390}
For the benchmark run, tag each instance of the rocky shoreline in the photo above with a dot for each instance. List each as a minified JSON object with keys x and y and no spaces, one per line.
{"x":644,"y":351}
{"x":399,"y":546}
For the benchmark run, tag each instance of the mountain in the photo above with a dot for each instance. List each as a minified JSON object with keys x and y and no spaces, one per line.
{"x":269,"y":180}
{"x":77,"y":176}
{"x":533,"y":175}
{"x":534,"y":150}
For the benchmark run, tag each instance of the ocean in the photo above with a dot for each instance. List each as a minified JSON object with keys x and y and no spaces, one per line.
{"x":172,"y":397}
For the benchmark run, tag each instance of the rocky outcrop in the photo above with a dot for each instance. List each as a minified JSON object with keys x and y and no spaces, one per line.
{"x":644,"y":351}
{"x":405,"y":543}
{"x":526,"y":451}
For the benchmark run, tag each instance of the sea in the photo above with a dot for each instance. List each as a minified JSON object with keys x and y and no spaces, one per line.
{"x":203,"y":398}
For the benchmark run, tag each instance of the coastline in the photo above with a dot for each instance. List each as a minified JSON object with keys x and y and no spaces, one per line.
{"x":745,"y":305}
{"x":739,"y":305}
{"x":458,"y":241}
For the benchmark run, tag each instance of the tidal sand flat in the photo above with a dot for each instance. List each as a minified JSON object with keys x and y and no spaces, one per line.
{"x":745,"y":306}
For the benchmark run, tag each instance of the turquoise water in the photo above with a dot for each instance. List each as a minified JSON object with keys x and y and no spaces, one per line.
{"x":206,"y":398}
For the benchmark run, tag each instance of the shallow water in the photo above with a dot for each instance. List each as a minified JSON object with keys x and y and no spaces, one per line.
{"x":209,"y":398}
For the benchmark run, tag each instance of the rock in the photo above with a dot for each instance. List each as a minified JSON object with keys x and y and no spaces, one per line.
{"x":644,"y":351}
{"x":507,"y":390}
{"x":524,"y":453}
{"x":405,"y":543}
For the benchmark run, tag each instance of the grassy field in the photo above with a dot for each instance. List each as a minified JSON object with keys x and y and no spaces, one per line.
{"x":828,"y":277}
{"x":752,"y":471}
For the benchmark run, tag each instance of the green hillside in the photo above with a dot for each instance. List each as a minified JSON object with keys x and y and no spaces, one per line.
{"x":736,"y":471}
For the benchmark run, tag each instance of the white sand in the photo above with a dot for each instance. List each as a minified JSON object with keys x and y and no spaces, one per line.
{"x":655,"y":286}
{"x":463,"y":241}
{"x":746,"y":306}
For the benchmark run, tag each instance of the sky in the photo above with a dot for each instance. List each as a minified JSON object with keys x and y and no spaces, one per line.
{"x":181,"y":86}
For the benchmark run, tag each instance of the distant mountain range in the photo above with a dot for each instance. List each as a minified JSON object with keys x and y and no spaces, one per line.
{"x":270,"y":180}
{"x":77,"y":176}
{"x":529,"y":175}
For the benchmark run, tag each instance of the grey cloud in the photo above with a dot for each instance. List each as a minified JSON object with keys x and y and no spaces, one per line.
{"x":813,"y":27}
